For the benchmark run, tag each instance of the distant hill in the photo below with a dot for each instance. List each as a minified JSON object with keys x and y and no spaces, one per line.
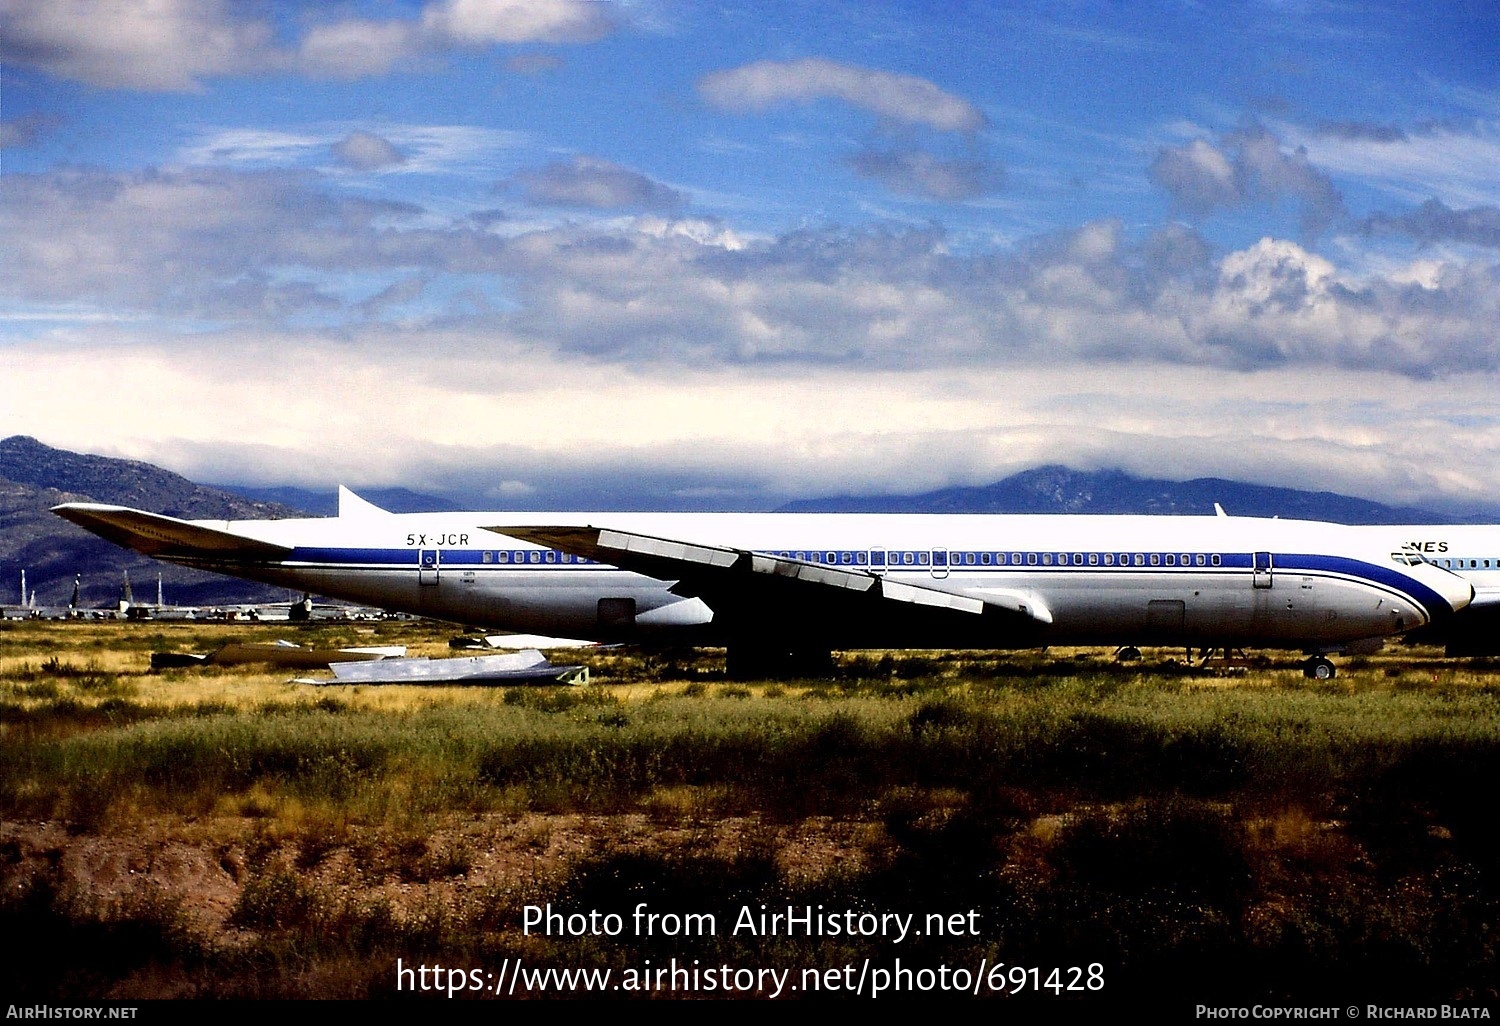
{"x":1055,"y":489}
{"x":35,"y":477}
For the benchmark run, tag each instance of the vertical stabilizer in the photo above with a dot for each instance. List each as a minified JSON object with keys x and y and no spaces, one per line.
{"x":351,"y":506}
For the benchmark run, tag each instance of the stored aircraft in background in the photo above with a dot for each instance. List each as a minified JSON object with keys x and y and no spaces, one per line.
{"x":1471,"y":551}
{"x":780,"y":589}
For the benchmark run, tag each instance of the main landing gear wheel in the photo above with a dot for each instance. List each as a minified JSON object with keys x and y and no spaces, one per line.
{"x":1318,"y":668}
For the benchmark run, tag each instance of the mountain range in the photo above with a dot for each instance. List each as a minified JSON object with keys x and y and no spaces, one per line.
{"x":1056,"y":489}
{"x":34,"y":477}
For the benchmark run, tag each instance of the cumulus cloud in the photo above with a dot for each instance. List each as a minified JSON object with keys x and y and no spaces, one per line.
{"x":483,"y":22}
{"x":365,"y":151}
{"x":916,"y":173}
{"x":173,"y":45}
{"x":1245,"y":167}
{"x":355,"y":47}
{"x":1199,"y":176}
{"x":899,"y":298}
{"x":1434,"y":222}
{"x":158,"y":45}
{"x":906,"y":99}
{"x":205,"y":241}
{"x":595,"y":184}
{"x":269,"y":247}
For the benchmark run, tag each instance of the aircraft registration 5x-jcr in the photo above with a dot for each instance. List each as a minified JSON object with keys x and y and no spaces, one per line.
{"x":777,"y":589}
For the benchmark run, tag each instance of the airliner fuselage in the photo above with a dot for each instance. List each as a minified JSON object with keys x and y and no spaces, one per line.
{"x":836,"y":580}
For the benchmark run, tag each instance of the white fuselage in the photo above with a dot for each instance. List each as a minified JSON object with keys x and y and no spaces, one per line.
{"x":1207,"y":581}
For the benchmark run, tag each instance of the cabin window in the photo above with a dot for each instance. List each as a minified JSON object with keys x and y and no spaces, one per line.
{"x":1109,"y":559}
{"x":1200,"y":559}
{"x":922,"y":558}
{"x":1124,"y":559}
{"x":534,"y":556}
{"x":1215,"y":559}
{"x":1186,"y":559}
{"x":551,"y":556}
{"x":1015,"y":557}
{"x":1093,"y":559}
{"x":985,"y":557}
{"x":1046,"y":559}
{"x":503,"y":557}
{"x":1031,"y":559}
{"x":1171,"y":559}
{"x":488,"y":557}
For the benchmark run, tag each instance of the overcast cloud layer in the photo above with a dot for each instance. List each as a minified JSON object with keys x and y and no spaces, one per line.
{"x":651,"y":254}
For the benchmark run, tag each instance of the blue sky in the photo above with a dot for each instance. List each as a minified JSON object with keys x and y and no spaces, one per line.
{"x":685,"y":255}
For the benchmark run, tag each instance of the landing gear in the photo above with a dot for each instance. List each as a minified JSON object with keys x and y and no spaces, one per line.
{"x":1318,"y":668}
{"x":300,"y":611}
{"x":1127,"y":654}
{"x":769,"y":661}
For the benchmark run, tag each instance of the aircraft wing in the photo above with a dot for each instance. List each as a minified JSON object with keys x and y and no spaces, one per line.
{"x":168,"y":537}
{"x":725,"y":576}
{"x":1485,"y":597}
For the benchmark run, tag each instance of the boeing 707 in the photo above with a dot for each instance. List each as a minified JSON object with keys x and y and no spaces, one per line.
{"x":776,"y":587}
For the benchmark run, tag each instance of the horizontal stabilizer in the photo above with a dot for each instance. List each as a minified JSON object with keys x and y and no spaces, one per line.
{"x":157,"y":535}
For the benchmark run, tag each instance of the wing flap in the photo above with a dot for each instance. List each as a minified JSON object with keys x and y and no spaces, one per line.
{"x":709,"y":569}
{"x":1485,"y":597}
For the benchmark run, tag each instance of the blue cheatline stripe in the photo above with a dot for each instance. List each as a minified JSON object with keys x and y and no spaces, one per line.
{"x":520,"y":559}
{"x":1391,"y":578}
{"x":449,"y":557}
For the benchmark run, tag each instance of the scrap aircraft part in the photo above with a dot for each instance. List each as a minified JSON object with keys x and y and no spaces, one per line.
{"x":507,"y":668}
{"x":285,"y":653}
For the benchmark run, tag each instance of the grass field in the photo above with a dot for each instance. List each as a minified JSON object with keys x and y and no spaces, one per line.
{"x":222,"y":832}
